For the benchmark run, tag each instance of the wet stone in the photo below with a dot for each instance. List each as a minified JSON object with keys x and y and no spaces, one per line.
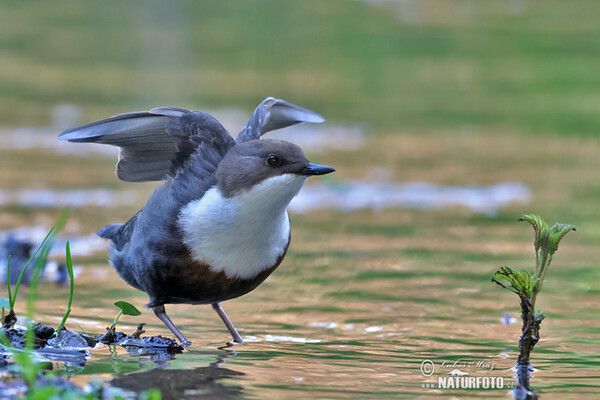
{"x":111,"y":337}
{"x":43,"y":332}
{"x":16,"y":336}
{"x":155,"y":342}
{"x":71,"y":339}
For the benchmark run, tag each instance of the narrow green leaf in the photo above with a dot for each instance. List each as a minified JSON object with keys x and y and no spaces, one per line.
{"x":34,"y":255}
{"x":10,"y":301}
{"x":71,"y":279}
{"x":82,"y":329}
{"x":127,"y":308}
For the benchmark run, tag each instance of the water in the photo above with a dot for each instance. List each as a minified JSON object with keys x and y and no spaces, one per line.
{"x":365,"y":296}
{"x":364,"y":334}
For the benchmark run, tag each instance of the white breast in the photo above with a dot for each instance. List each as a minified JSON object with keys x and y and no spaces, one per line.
{"x":245,"y":234}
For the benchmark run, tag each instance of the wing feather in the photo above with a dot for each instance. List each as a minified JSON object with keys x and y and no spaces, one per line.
{"x":274,"y":114}
{"x":154,"y":144}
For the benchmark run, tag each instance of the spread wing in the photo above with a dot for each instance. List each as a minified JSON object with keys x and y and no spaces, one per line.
{"x":274,"y":114}
{"x":154,"y":144}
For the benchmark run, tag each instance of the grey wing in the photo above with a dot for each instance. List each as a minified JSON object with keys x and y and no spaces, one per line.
{"x":154,"y":144}
{"x":274,"y":114}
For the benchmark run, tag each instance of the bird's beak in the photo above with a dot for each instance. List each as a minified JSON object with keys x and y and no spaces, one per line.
{"x":314,"y":169}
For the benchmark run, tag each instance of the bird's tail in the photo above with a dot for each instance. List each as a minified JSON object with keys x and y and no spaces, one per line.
{"x":109,"y":231}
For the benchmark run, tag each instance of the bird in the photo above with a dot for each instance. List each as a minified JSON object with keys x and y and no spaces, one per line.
{"x":218,"y":225}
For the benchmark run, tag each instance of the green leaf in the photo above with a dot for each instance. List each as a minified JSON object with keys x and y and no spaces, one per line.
{"x":540,"y":227}
{"x":520,"y":282}
{"x":72,"y":288}
{"x":557,"y":232}
{"x":127,"y":308}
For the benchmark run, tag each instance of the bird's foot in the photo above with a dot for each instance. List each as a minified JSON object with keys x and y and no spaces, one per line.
{"x":237,"y":339}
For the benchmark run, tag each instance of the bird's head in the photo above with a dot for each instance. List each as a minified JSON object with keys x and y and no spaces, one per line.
{"x":272,"y":167}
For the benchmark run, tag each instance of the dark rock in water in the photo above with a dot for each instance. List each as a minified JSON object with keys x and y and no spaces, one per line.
{"x":43,"y":332}
{"x":111,"y":336}
{"x":10,"y":319}
{"x":154,"y":342}
{"x":16,"y":337}
{"x":71,"y":339}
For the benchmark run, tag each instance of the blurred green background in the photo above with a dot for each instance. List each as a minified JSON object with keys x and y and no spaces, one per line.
{"x":529,"y":66}
{"x":449,"y":92}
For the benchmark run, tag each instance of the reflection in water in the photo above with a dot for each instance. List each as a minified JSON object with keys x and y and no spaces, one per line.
{"x":202,"y":382}
{"x":523,"y":390}
{"x":160,"y":356}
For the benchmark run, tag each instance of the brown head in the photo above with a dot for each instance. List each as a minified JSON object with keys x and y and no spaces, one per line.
{"x":251,"y":162}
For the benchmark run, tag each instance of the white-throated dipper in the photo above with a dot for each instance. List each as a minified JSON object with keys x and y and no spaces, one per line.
{"x":218,"y":225}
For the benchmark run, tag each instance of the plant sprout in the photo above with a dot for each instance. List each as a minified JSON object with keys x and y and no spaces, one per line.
{"x":528,"y":285}
{"x":125,"y":308}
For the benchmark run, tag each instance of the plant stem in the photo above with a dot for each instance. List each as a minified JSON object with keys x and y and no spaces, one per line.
{"x":541,"y":275}
{"x":530,"y":334}
{"x":116,"y":318}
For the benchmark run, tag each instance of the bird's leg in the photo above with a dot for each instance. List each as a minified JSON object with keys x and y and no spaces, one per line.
{"x":236,"y":336}
{"x":161,"y":313}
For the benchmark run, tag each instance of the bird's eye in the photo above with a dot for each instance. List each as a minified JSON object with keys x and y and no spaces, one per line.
{"x":274,"y":161}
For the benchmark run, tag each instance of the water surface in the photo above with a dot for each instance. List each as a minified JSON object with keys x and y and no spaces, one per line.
{"x":363,"y":298}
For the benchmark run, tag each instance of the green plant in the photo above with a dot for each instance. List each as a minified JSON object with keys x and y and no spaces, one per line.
{"x":43,"y":250}
{"x":527,"y":285}
{"x":71,"y":291}
{"x":26,"y":363}
{"x":10,"y":319}
{"x":125,"y":308}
